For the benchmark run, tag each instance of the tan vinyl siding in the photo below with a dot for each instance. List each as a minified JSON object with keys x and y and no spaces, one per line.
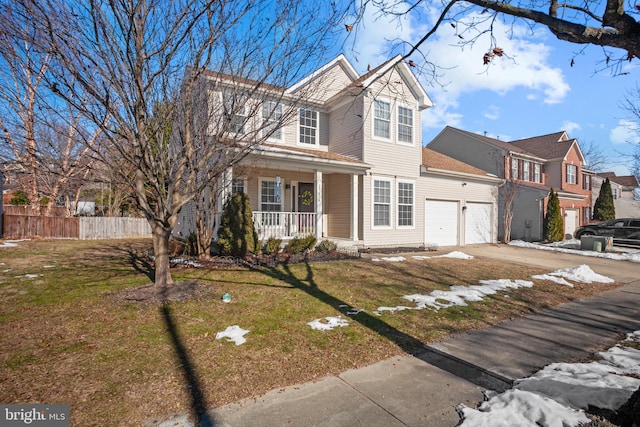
{"x":346,"y":131}
{"x":286,"y":178}
{"x":332,"y":82}
{"x":338,"y":205}
{"x":464,"y":148}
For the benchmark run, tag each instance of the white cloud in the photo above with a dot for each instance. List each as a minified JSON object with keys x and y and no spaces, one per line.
{"x":625,"y":133}
{"x":570,"y":126}
{"x":492,"y":112}
{"x":524,"y":66}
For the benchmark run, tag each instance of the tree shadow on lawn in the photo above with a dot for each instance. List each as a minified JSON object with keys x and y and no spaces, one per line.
{"x":409,"y":344}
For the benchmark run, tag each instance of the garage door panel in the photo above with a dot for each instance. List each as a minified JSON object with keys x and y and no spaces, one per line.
{"x":477,"y":223}
{"x":441,"y":223}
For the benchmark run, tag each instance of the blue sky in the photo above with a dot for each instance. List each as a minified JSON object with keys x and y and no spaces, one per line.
{"x":530,"y":91}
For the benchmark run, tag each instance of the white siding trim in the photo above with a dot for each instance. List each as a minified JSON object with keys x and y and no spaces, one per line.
{"x":391,"y":204}
{"x":413,"y":210}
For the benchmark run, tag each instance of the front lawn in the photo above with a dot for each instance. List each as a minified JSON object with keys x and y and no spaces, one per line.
{"x":68,"y":335}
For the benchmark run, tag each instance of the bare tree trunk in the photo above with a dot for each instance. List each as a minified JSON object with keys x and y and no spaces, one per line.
{"x":161,"y":237}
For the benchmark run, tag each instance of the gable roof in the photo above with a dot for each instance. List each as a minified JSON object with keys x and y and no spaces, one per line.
{"x":552,"y":146}
{"x":340,"y":60}
{"x":433,"y":159}
{"x":487,"y":140}
{"x":629,"y":181}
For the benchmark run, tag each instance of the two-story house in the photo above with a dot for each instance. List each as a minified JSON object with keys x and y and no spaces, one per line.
{"x":349,"y":165}
{"x":624,"y":190}
{"x":531,"y":166}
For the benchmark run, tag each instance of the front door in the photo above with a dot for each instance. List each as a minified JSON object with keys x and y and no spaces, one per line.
{"x":306,"y":207}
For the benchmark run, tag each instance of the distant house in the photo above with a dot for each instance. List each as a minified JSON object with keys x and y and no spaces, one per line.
{"x":624,"y":190}
{"x":534,"y":165}
{"x":351,"y":167}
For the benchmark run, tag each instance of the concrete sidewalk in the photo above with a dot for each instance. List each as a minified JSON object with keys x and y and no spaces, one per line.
{"x":424,"y":390}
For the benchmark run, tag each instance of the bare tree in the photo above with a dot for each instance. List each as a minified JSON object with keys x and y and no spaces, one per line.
{"x":138,"y":69}
{"x":49,"y":141}
{"x":608,"y":24}
{"x":594,"y":156}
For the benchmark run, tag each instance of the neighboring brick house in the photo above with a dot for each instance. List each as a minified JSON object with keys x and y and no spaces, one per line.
{"x":349,"y":167}
{"x":534,"y":165}
{"x":625,"y":193}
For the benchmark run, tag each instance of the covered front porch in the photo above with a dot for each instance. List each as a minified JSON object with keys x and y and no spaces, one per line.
{"x":299,"y":192}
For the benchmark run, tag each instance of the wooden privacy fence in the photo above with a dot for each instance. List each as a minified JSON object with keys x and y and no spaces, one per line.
{"x":84,"y":228}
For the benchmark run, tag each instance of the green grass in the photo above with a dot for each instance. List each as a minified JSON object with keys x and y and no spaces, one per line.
{"x":68,"y":339}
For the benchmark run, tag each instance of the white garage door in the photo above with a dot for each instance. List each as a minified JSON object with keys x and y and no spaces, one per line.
{"x":477,"y":223}
{"x":441,"y":223}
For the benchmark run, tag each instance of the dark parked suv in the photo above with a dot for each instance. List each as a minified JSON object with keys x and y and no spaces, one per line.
{"x":623,"y":230}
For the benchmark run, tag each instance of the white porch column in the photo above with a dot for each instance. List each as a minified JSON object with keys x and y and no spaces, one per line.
{"x":319,"y":224}
{"x":355,"y":178}
{"x":224,"y":192}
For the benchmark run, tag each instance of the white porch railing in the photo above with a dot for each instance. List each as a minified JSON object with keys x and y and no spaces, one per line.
{"x":283,"y":225}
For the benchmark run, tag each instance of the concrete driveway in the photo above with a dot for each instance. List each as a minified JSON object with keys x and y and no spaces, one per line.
{"x":620,"y":271}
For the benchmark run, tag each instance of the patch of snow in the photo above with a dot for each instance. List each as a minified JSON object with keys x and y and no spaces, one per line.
{"x":582,"y":273}
{"x":520,"y":408}
{"x":420,"y":257}
{"x":458,"y":295}
{"x":235,"y":333}
{"x":633,"y":336}
{"x":328,"y":323}
{"x":48,"y":266}
{"x":559,"y":280}
{"x":351,"y":311}
{"x":29,"y":276}
{"x":8,"y":244}
{"x":455,"y":254}
{"x":622,"y":254}
{"x":389,"y":259}
{"x":558,"y":394}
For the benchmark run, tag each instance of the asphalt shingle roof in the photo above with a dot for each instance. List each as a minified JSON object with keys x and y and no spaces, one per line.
{"x":433,"y":159}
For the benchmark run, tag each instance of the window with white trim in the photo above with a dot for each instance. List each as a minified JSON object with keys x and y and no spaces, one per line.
{"x":525,"y":171}
{"x":381,"y":203}
{"x":381,"y":119}
{"x":514,"y":168}
{"x":586,"y":181}
{"x":235,"y":111}
{"x":272,"y":118}
{"x":405,"y":125}
{"x":537,"y":176}
{"x":238,"y":185}
{"x":270,"y":201}
{"x":405,"y":204}
{"x":572,"y":174}
{"x":308,"y":127}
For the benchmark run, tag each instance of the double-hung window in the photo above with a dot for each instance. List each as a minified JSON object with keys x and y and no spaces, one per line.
{"x":525,"y":171}
{"x":308,"y":127}
{"x":537,"y":177}
{"x":586,"y":181}
{"x":235,"y":112}
{"x":405,"y":125}
{"x":272,"y":118}
{"x":381,"y":203}
{"x":237,"y":185}
{"x":381,"y":119}
{"x":515,"y":174}
{"x":270,"y":202}
{"x":405,"y":204}
{"x":572,"y":174}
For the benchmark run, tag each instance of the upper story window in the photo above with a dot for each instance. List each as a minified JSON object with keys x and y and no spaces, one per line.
{"x":614,"y":191}
{"x":572,"y":174}
{"x":235,"y":111}
{"x":381,"y":203}
{"x":405,"y":204}
{"x":537,"y":175}
{"x":515,"y":170}
{"x":405,"y":125}
{"x":381,"y":119}
{"x":525,"y":171}
{"x":238,"y":185}
{"x":272,"y":118}
{"x":586,"y":181}
{"x":308,"y":127}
